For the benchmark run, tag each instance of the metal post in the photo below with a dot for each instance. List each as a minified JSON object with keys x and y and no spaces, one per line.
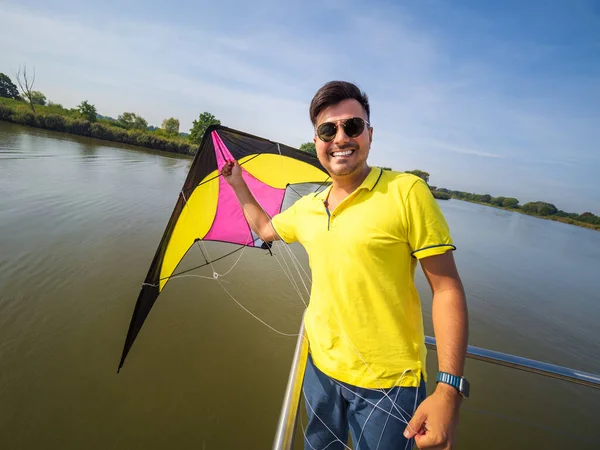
{"x":284,"y":438}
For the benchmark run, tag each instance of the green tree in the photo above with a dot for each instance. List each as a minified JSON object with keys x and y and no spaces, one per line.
{"x":7,"y":88}
{"x":440,"y":195}
{"x":131,"y":121}
{"x":171,"y":126}
{"x":88,"y":111}
{"x":510,"y":202}
{"x":200,"y":126}
{"x":140,"y":123}
{"x":309,"y":147}
{"x":498,"y":201}
{"x":26,"y":84}
{"x":540,"y":208}
{"x":35,"y":97}
{"x":589,"y":217}
{"x":547,"y":209}
{"x":420,"y":174}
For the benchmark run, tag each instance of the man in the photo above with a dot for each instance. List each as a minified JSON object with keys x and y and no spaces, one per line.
{"x":363,"y":235}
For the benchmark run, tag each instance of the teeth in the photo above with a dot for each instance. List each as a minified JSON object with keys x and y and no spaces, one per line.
{"x":346,"y":153}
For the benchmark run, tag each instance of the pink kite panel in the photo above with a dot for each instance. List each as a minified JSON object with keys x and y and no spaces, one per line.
{"x":230,"y":224}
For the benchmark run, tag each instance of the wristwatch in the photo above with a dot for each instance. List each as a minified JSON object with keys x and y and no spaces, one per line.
{"x":461,"y":384}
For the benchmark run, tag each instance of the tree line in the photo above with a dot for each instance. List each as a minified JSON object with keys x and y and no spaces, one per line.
{"x":538,"y":208}
{"x":26,"y":106}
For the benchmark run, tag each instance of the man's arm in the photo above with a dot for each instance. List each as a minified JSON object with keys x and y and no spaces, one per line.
{"x":435,"y":421}
{"x":449,"y":311}
{"x":257,"y":218}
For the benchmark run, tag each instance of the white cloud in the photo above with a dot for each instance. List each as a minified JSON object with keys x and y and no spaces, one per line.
{"x":466,"y":151}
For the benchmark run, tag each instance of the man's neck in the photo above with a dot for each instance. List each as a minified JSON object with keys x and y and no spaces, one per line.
{"x":348,"y":184}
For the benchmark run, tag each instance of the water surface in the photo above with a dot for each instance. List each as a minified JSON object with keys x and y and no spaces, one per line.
{"x":80,"y":220}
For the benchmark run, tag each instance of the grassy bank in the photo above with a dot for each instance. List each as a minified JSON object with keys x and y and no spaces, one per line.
{"x":64,"y":120}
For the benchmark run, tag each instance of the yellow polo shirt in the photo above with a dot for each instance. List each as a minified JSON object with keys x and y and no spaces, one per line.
{"x":364,"y":321}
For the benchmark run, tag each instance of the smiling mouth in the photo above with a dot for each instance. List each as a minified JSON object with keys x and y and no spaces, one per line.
{"x":342,"y":154}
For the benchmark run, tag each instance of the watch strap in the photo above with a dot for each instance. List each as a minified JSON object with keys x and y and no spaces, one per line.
{"x":454,"y":381}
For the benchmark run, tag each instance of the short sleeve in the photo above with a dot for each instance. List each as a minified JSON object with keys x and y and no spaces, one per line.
{"x":428,"y":231}
{"x":285,"y":222}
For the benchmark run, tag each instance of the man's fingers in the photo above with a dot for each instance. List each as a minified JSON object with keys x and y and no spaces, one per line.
{"x":226,"y":170}
{"x":424,"y":441}
{"x":414,"y":426}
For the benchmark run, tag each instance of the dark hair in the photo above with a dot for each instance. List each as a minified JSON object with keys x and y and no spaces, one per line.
{"x":333,"y":93}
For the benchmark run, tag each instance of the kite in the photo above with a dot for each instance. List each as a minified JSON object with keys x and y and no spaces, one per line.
{"x":208,"y":210}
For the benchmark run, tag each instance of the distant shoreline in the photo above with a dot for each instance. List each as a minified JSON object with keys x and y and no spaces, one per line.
{"x":539,"y":209}
{"x":565,"y":220}
{"x":19,"y":113}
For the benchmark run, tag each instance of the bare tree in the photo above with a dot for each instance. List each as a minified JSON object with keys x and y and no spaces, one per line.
{"x":26,"y":85}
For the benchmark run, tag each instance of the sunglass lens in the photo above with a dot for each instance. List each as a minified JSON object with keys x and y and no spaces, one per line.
{"x":354,"y":127}
{"x":327,"y":131}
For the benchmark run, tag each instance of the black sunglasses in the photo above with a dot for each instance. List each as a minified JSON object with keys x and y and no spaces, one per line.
{"x":353,"y":127}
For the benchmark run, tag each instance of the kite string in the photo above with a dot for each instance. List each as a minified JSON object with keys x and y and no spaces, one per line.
{"x":290,"y":278}
{"x":344,"y":338}
{"x":286,"y":270}
{"x":297,"y":265}
{"x":235,"y":263}
{"x":253,"y":315}
{"x":375,"y":406}
{"x":216,"y":277}
{"x":202,"y":245}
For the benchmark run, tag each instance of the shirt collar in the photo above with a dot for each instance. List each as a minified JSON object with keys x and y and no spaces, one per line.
{"x":368,"y":183}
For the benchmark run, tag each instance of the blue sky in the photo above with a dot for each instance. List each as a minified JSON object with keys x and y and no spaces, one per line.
{"x":488,"y":97}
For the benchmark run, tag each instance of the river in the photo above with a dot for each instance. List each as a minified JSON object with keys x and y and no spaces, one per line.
{"x":80,"y":220}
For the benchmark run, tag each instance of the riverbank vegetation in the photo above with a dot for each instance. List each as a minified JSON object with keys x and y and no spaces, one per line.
{"x":32,"y":108}
{"x":76,"y":121}
{"x":538,"y":209}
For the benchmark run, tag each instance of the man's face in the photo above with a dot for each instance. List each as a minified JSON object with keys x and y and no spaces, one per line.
{"x":343,"y":156}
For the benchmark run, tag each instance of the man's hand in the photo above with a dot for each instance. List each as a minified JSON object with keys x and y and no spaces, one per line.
{"x":434,"y":423}
{"x":232,"y":172}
